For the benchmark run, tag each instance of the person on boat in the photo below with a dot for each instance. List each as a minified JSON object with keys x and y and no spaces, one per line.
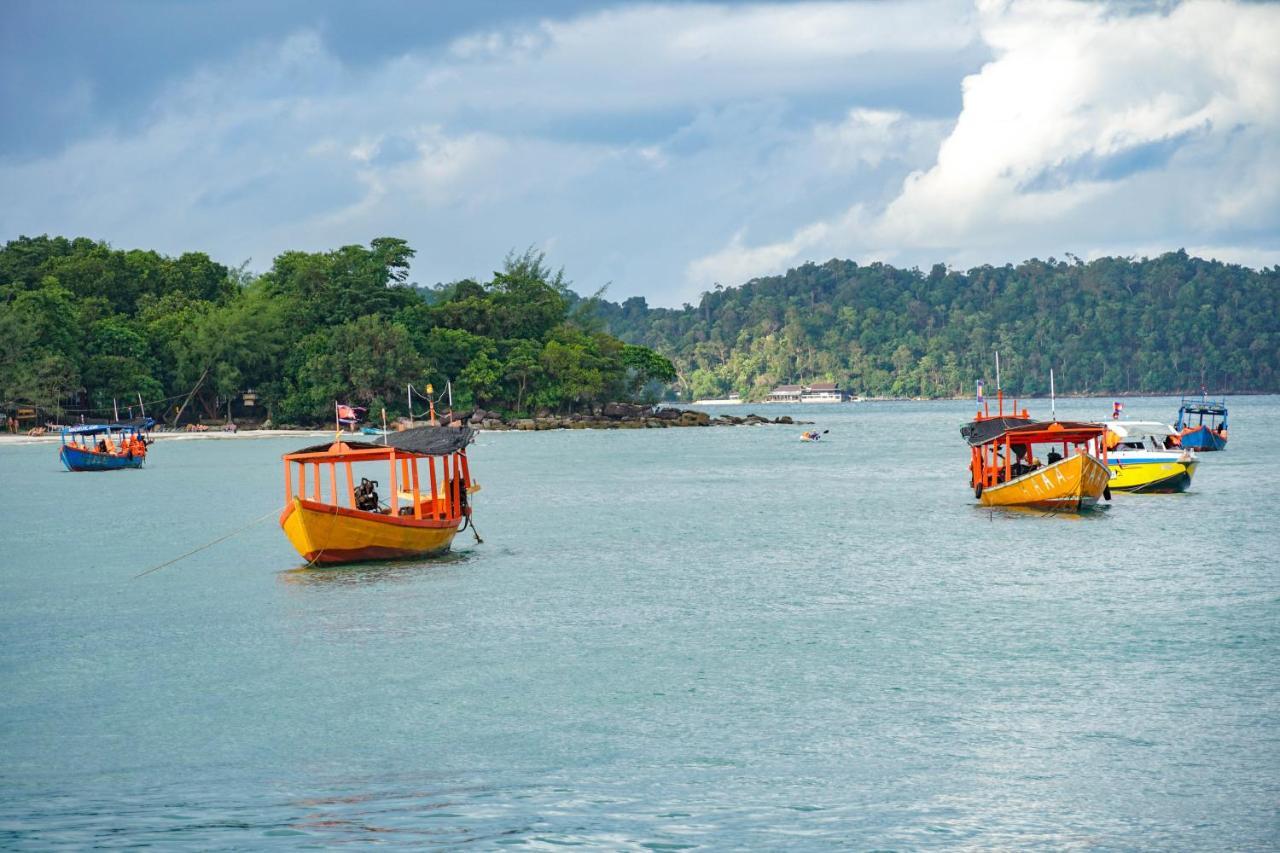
{"x":102,"y":445}
{"x":367,"y":495}
{"x":1054,"y":456}
{"x":1025,"y":463}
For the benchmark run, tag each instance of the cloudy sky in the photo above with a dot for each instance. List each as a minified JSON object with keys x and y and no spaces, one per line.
{"x":659,"y":147}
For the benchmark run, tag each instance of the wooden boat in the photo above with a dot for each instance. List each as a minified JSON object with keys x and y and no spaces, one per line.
{"x":1006,"y":470}
{"x":1140,"y":457}
{"x":1201,"y":435}
{"x":105,"y":447}
{"x":330,"y":519}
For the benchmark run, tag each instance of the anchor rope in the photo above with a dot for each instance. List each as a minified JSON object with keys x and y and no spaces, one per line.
{"x":210,"y":544}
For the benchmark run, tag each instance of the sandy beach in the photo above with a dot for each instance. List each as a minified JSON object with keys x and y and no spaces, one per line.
{"x":8,"y":439}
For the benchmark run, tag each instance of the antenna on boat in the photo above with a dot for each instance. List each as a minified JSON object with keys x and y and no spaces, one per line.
{"x":142,"y":405}
{"x":1053,"y":399}
{"x":408,"y":392}
{"x":384,"y":426}
{"x":999,"y":389}
{"x":115,"y":409}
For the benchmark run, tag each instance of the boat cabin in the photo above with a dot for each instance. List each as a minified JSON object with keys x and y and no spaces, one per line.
{"x":420,"y":474}
{"x":1202,"y":424}
{"x":104,"y":447}
{"x":1003,"y":449}
{"x":1141,"y":435}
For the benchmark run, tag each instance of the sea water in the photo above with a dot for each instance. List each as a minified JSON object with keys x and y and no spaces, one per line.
{"x":669,"y":639}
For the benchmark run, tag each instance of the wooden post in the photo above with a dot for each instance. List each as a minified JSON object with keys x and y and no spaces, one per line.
{"x":315,"y":487}
{"x":333,"y":483}
{"x":435,"y":507}
{"x":457,"y":486}
{"x":302,"y":479}
{"x":417,"y":498}
{"x":395,"y":490}
{"x":351,"y":487}
{"x":288,"y":483}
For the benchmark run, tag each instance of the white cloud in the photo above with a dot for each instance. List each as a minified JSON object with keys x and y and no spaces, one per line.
{"x":666,"y":147}
{"x":1093,"y":131}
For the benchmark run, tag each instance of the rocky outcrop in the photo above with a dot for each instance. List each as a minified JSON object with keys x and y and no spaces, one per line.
{"x":608,"y":416}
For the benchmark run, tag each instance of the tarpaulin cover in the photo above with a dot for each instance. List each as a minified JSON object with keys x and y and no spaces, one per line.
{"x":427,"y":440}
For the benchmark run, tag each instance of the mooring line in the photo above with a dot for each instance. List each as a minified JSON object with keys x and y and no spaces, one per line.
{"x":257,"y":520}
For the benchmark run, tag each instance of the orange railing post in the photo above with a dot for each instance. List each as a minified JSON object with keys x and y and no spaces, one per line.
{"x":435,"y":499}
{"x":395,"y":489}
{"x":417,"y":498}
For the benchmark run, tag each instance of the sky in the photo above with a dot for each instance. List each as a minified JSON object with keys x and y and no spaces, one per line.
{"x":656,"y":148}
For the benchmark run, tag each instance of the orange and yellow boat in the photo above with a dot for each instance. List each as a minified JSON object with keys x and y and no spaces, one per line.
{"x":331,"y":519}
{"x":1006,"y":468}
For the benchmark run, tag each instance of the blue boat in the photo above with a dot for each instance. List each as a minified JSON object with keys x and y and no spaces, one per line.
{"x":1194,"y":433}
{"x":105,"y":447}
{"x":371,"y":430}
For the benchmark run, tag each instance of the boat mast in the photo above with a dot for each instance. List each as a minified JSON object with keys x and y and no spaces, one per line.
{"x":999,"y":390}
{"x":1053,"y":400}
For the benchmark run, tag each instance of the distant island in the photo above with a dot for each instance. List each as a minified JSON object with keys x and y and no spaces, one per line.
{"x":86,"y":329}
{"x":1162,"y":325}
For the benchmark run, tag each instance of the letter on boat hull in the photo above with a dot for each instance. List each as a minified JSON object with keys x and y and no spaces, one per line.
{"x":326,"y":535}
{"x":1071,"y":484}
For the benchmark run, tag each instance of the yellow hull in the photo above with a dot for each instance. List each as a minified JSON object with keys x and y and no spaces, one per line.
{"x":1071,"y":484}
{"x":325,"y":534}
{"x":1152,"y":476}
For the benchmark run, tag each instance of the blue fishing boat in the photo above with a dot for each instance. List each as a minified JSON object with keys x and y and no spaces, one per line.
{"x":105,"y":447}
{"x":1193,"y":431}
{"x":371,"y":430}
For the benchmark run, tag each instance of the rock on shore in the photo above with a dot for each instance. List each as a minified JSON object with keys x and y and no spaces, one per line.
{"x":608,"y":416}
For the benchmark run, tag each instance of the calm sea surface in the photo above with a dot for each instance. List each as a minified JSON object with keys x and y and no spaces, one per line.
{"x":669,"y":639}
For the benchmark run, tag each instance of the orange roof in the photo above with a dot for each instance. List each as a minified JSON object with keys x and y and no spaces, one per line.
{"x":1072,"y":432}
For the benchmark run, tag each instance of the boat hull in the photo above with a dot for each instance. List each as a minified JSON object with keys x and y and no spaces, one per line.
{"x":1153,"y":476}
{"x":327,"y":535}
{"x":75,"y":459}
{"x":1202,"y":438}
{"x":1071,"y":484}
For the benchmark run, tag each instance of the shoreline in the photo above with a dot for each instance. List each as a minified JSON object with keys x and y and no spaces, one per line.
{"x":56,"y":438}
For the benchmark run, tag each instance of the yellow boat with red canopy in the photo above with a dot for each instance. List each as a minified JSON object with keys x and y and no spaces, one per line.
{"x":330,"y":519}
{"x":1006,"y":471}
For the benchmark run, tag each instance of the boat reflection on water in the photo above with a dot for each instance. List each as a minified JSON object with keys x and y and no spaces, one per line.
{"x":1095,"y":512}
{"x":359,"y":574}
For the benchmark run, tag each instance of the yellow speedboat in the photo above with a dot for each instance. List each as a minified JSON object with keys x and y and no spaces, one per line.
{"x":1140,"y":457}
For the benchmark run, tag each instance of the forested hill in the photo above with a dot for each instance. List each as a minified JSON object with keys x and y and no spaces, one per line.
{"x":83,"y":325}
{"x":1114,"y":325}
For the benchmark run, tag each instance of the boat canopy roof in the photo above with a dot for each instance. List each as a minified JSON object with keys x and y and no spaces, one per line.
{"x":1042,"y":432}
{"x":1140,"y":429}
{"x":420,"y":441}
{"x":983,"y":430}
{"x":1204,"y":407}
{"x":115,"y":426}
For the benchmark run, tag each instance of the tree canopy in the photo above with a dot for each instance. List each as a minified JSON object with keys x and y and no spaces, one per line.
{"x":1114,"y":325}
{"x":82,"y":324}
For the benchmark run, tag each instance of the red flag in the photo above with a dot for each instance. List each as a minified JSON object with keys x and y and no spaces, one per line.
{"x":346,"y":413}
